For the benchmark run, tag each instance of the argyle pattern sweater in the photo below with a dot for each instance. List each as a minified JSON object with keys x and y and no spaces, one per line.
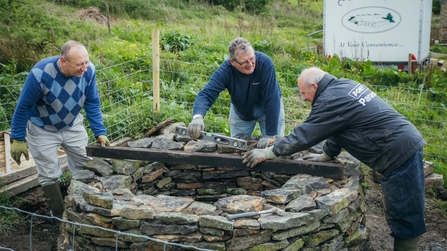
{"x":53,"y":101}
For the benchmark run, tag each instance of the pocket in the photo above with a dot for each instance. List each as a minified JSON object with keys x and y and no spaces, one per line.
{"x":31,"y":128}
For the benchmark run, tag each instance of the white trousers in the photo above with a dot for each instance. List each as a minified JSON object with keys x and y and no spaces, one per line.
{"x":43,"y":145}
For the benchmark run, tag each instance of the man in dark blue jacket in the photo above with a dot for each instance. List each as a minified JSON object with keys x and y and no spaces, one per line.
{"x":250,"y":78}
{"x":350,"y":116}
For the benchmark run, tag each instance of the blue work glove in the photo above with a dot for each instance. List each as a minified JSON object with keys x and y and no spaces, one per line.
{"x":103,"y":141}
{"x":256,"y":156}
{"x":266,"y":141}
{"x":317,"y":157}
{"x":196,"y":127}
{"x":17,"y":149}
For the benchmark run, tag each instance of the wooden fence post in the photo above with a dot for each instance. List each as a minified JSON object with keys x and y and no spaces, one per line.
{"x":156,"y":69}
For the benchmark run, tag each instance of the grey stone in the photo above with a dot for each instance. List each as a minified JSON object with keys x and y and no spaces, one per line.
{"x":200,"y":146}
{"x":141,"y":143}
{"x":217,"y":222}
{"x":176,"y":218}
{"x":166,"y":144}
{"x":302,"y":203}
{"x":125,"y":167}
{"x":99,"y":166}
{"x":271,"y":246}
{"x":122,"y":223}
{"x":289,"y":220}
{"x":280,"y":196}
{"x":160,"y":228}
{"x":137,"y":212}
{"x":104,"y":200}
{"x":336,"y":201}
{"x":85,"y":176}
{"x":245,"y":242}
{"x":116,"y":181}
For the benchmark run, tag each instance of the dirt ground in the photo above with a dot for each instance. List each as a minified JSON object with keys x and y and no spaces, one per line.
{"x":45,"y":233}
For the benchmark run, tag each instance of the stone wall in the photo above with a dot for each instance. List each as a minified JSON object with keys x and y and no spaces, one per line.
{"x":190,"y":205}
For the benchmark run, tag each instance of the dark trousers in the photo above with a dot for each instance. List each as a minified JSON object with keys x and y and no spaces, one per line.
{"x":404,"y":192}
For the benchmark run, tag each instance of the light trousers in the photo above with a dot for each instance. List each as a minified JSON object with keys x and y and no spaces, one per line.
{"x":44,"y":144}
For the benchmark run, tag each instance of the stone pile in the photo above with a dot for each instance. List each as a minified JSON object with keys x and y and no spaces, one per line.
{"x":189,"y":205}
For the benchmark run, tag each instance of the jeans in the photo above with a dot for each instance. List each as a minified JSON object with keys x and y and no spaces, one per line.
{"x":404,"y":192}
{"x":242,"y":127}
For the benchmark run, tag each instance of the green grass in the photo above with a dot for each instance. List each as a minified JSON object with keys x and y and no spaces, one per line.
{"x":10,"y":218}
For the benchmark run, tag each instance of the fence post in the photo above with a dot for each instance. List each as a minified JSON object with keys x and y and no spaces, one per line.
{"x":156,"y":69}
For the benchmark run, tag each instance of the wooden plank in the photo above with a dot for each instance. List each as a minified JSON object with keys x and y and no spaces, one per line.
{"x":20,"y":186}
{"x":323,"y":169}
{"x":17,"y":174}
{"x":159,"y":126}
{"x":120,"y":142}
{"x":8,"y":153}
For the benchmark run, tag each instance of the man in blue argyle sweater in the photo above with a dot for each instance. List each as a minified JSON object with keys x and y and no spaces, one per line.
{"x":48,"y":115}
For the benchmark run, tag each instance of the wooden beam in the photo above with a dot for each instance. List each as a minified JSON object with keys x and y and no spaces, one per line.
{"x":323,"y":169}
{"x":20,"y":186}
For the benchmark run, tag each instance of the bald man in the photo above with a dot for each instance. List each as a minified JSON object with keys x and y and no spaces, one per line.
{"x":349,"y":116}
{"x":47,"y":116}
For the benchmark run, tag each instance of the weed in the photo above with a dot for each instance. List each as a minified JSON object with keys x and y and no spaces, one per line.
{"x":66,"y":178}
{"x":366,"y":185}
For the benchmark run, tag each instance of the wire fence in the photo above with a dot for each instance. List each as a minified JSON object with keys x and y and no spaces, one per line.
{"x":126,"y":97}
{"x":34,"y":216}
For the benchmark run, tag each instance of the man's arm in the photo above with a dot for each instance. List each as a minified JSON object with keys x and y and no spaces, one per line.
{"x":92,"y":108}
{"x":271,"y":96}
{"x":30,"y":94}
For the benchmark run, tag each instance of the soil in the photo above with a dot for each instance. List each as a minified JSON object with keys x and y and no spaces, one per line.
{"x":45,"y":233}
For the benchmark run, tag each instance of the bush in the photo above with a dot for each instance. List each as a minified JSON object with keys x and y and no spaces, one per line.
{"x":251,"y":6}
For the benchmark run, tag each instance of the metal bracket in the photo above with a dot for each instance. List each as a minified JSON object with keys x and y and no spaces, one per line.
{"x":216,"y":138}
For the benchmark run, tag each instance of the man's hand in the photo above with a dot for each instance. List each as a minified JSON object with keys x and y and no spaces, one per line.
{"x":265,"y":142}
{"x":256,"y":156}
{"x":317,"y":157}
{"x":196,"y":127}
{"x":17,"y":149}
{"x":103,"y":141}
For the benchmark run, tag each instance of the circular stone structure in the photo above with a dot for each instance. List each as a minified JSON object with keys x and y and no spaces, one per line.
{"x":118,"y":203}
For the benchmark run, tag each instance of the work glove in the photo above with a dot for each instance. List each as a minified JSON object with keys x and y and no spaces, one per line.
{"x":256,"y":156}
{"x":196,"y":127}
{"x":103,"y":141}
{"x":266,"y":141}
{"x":317,"y":157}
{"x":17,"y":149}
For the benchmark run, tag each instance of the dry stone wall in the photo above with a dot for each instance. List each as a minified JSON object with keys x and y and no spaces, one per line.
{"x":189,"y":205}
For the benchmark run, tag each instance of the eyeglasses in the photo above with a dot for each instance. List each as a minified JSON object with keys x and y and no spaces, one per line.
{"x":78,"y":65}
{"x":246,"y":62}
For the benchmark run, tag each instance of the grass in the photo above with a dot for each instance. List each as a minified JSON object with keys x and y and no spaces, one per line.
{"x":10,"y":218}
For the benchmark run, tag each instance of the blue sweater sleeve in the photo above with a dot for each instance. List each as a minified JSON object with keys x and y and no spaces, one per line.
{"x":206,"y":97}
{"x":92,"y":107}
{"x":30,"y":94}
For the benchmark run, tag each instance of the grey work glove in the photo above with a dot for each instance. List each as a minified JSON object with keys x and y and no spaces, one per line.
{"x":196,"y":127}
{"x":256,"y":156}
{"x":265,"y":141}
{"x":103,"y":141}
{"x":317,"y":157}
{"x":17,"y":149}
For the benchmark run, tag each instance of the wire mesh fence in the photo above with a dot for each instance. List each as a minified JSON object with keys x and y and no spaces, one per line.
{"x":127,"y":103}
